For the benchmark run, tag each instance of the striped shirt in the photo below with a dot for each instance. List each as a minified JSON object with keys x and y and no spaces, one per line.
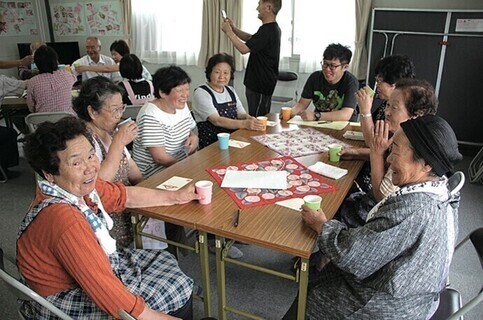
{"x":51,"y":92}
{"x":157,"y":128}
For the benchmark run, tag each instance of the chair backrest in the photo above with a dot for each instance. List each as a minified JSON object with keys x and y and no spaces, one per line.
{"x":125,"y":315}
{"x":456,"y":182}
{"x":25,"y":293}
{"x":450,"y":299}
{"x":34,"y":119}
{"x":131,"y":111}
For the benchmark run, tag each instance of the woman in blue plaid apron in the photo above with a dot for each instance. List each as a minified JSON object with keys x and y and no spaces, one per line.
{"x":64,"y":250}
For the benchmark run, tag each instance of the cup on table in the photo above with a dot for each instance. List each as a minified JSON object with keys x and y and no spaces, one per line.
{"x":205,"y":189}
{"x":334,"y":152}
{"x":313,"y":201}
{"x":263,"y":120}
{"x":286,"y":113}
{"x":223,"y":140}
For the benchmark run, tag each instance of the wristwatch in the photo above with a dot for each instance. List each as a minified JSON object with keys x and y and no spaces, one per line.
{"x":317,"y":115}
{"x":366,"y":115}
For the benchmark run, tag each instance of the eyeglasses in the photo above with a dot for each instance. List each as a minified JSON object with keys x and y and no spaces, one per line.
{"x":332,"y":67}
{"x":118,"y":110}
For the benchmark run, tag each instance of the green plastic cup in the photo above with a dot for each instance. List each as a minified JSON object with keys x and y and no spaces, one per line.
{"x":334,"y":152}
{"x":313,"y":201}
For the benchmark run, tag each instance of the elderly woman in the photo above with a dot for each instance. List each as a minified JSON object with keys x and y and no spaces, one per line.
{"x":166,"y":127}
{"x":100,"y":105}
{"x":64,"y":250}
{"x":216,"y":106}
{"x":394,"y":266}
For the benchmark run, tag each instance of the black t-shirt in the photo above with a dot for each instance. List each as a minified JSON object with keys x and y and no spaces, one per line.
{"x":328,"y":97}
{"x":141,"y":90}
{"x":262,"y":68}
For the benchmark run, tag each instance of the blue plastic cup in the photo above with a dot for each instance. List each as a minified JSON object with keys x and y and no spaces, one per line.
{"x":223,"y":139}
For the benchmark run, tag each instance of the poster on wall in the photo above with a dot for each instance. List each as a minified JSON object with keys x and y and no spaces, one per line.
{"x":104,"y":18}
{"x":68,"y":19}
{"x":87,"y":18}
{"x":19,"y":17}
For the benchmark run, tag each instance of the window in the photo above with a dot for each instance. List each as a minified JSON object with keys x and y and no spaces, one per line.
{"x":166,"y":32}
{"x":315,"y":25}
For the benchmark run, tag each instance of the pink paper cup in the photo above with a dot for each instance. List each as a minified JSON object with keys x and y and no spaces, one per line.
{"x":204,"y":188}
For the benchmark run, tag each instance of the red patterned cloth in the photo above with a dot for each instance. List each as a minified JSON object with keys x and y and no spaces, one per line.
{"x":301,"y":182}
{"x":51,"y":92}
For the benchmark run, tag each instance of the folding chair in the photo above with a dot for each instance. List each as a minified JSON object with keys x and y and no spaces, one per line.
{"x":450,"y":305}
{"x":285,"y":77}
{"x":476,"y":168}
{"x":34,"y":119}
{"x":23,"y":292}
{"x":131,"y":111}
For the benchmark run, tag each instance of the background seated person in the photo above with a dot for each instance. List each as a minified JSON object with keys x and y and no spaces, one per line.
{"x":82,"y":272}
{"x":51,"y":89}
{"x":119,"y":49}
{"x":331,"y":90}
{"x":216,"y":106}
{"x":137,"y":90}
{"x":388,"y":71}
{"x":27,"y":71}
{"x":100,"y":105}
{"x":395,"y":265}
{"x":95,"y":58}
{"x":166,"y":129}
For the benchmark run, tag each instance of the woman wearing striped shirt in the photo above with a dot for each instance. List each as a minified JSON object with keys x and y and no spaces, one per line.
{"x":166,"y":132}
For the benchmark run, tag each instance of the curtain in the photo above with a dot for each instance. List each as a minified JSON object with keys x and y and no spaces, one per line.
{"x":126,"y":11}
{"x":359,"y":60}
{"x":167,"y":32}
{"x":318,"y":24}
{"x":213,"y":40}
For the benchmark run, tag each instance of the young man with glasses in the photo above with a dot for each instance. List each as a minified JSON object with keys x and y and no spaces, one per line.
{"x":331,"y":90}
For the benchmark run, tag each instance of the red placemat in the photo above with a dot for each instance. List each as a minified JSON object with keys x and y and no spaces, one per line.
{"x":301,"y":182}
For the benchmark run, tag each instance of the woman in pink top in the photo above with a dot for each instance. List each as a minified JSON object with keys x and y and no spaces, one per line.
{"x":51,"y":90}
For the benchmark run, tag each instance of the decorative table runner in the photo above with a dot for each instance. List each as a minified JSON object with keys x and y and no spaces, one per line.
{"x":301,"y":182}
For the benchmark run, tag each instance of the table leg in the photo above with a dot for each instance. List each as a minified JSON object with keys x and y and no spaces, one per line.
{"x":220,"y":273}
{"x":205,"y":272}
{"x":303,"y":283}
{"x":138,"y":242}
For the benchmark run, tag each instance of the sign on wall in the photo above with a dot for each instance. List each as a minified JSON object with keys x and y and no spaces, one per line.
{"x":20,"y":18}
{"x":91,"y":18}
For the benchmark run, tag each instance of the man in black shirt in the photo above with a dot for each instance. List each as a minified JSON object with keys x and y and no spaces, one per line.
{"x":264,"y":47}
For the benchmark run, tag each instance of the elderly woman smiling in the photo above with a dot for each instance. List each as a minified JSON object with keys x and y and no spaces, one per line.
{"x":394,"y":266}
{"x":64,"y":250}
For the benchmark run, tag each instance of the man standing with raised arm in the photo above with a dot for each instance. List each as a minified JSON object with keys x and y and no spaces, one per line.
{"x":264,"y":48}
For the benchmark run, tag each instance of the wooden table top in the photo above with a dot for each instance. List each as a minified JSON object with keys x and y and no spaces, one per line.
{"x":14,"y":103}
{"x":270,"y":226}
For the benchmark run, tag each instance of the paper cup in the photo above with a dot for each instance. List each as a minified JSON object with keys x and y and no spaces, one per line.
{"x":286,"y":113}
{"x":263,"y":120}
{"x":313,"y":202}
{"x":205,"y":189}
{"x":223,"y":140}
{"x":334,"y":152}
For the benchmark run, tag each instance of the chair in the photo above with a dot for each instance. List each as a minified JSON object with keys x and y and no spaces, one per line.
{"x":476,"y":168}
{"x":34,"y":119}
{"x":25,"y":293}
{"x":131,"y":111}
{"x":450,"y":305}
{"x":285,"y":76}
{"x":125,"y":315}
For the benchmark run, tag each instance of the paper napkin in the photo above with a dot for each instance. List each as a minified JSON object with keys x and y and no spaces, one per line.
{"x":271,"y":123}
{"x":328,"y":170}
{"x":294,"y":203}
{"x":174,"y":183}
{"x":238,"y":144}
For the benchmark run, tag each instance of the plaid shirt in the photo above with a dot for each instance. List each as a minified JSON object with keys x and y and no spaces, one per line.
{"x":51,"y":92}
